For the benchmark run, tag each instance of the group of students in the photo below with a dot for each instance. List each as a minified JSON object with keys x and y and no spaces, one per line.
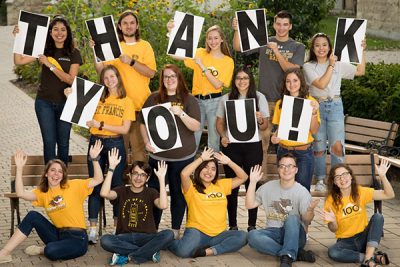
{"x":119,"y":126}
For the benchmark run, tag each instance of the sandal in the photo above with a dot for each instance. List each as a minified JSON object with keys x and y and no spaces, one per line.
{"x":371,"y":260}
{"x":381,"y":258}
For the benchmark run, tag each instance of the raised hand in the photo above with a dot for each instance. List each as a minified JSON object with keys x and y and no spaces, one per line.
{"x":170,"y":25}
{"x":256,"y":174}
{"x":20,"y":158}
{"x":328,"y":216}
{"x":235,"y":24}
{"x":161,"y":170}
{"x":313,"y":204}
{"x":113,"y":158}
{"x":332,"y":59}
{"x":95,"y":149}
{"x":383,"y":167}
{"x":222,"y":158}
{"x":207,"y":154}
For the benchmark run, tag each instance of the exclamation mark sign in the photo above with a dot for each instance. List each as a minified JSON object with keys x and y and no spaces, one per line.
{"x":296,"y":115}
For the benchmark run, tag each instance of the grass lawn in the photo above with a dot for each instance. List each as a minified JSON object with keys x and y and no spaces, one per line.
{"x":328,"y":26}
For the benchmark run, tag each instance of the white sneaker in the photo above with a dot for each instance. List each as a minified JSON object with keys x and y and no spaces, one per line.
{"x":33,"y":250}
{"x":93,"y":235}
{"x":320,"y":186}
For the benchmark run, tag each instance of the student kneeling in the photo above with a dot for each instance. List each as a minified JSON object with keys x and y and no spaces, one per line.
{"x":289,"y":209}
{"x":136,"y":238}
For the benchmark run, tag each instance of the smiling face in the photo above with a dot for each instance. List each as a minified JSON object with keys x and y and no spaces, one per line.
{"x":242,"y":82}
{"x":214,"y":40}
{"x":287,"y":169}
{"x":208,"y":173}
{"x":138,"y":177}
{"x":321,"y":47}
{"x":110,"y":79}
{"x":282,"y":27}
{"x":293,"y":83}
{"x":170,"y":80}
{"x":128,"y":26}
{"x":59,"y":33}
{"x":342,"y":178}
{"x":54,"y":175}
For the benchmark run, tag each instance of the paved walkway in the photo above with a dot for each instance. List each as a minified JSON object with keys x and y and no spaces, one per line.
{"x":19,"y":129}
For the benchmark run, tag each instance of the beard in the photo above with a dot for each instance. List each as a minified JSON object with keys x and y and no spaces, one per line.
{"x":129,"y":35}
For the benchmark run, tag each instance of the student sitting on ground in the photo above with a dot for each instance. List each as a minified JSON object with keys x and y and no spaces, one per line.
{"x":136,"y":239}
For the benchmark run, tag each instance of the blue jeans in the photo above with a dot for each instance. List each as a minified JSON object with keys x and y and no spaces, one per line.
{"x":117,"y":179}
{"x":60,"y":244}
{"x":140,"y":247}
{"x":331,"y":130}
{"x":352,"y":249}
{"x":208,"y":111}
{"x":173,"y":178}
{"x":54,"y":131}
{"x":305,"y":164}
{"x":286,"y":240}
{"x":193,"y":239}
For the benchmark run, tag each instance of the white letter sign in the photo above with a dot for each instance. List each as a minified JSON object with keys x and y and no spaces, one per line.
{"x":252,"y":29}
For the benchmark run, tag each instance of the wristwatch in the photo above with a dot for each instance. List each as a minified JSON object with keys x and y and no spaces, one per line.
{"x":52,"y":68}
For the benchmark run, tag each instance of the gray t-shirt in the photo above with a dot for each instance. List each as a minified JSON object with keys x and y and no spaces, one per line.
{"x":270,"y":72}
{"x":279,"y":203}
{"x":262,"y":105}
{"x":342,"y":70}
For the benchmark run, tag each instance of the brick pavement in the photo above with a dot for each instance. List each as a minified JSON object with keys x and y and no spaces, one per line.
{"x":18,"y":128}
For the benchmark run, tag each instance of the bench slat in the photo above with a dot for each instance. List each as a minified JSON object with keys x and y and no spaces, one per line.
{"x":368,"y":122}
{"x":376,"y":134}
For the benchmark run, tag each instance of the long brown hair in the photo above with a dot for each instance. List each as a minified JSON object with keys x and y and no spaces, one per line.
{"x":120,"y":86}
{"x":44,"y":183}
{"x":303,"y":92}
{"x":119,"y":31}
{"x":313,"y":56}
{"x":224,"y":46}
{"x":181,"y":90}
{"x":197,"y":182}
{"x":334,"y":190}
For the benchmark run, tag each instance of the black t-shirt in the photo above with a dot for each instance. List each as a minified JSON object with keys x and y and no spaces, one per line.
{"x":135,"y":210}
{"x":51,"y":87}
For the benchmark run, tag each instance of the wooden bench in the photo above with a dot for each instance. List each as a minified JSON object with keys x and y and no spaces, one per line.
{"x":361,"y":164}
{"x":33,"y":169}
{"x":364,"y":136}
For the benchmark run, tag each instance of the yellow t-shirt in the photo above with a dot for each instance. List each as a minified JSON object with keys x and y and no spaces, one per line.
{"x":221,"y":68}
{"x":350,"y":217}
{"x":277,"y":117}
{"x":207,"y":212}
{"x":65,"y":206}
{"x":136,"y":85}
{"x":113,"y":112}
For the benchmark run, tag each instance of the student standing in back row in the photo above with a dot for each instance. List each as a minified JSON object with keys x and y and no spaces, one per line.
{"x":212,"y":71}
{"x":280,"y":54}
{"x":137,"y":65}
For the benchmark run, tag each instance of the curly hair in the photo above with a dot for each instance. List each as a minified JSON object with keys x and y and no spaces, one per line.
{"x":334,"y":190}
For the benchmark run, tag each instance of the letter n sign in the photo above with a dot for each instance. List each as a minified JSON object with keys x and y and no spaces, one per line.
{"x":241,"y":121}
{"x":348,"y":38}
{"x":161,"y":127}
{"x":252,"y":29}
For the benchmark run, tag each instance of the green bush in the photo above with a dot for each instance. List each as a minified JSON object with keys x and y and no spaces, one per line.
{"x":375,"y":95}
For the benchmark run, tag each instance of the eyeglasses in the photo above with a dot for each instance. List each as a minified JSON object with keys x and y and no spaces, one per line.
{"x":242,"y":78}
{"x":341,"y":176}
{"x":173,"y":77}
{"x":141,"y":175}
{"x":283,"y":166}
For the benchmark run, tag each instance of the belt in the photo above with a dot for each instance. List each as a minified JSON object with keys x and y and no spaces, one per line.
{"x":72,"y":229}
{"x":302,"y":147}
{"x":209,"y":96}
{"x":327,"y":98}
{"x":107,"y":136}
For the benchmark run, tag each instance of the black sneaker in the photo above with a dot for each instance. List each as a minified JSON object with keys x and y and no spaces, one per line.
{"x":251,"y":228}
{"x":286,"y":261}
{"x":305,"y":255}
{"x":201,"y":252}
{"x":233,"y":228}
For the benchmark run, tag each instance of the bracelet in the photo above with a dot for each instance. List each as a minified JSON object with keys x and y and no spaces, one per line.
{"x":132,"y":62}
{"x":183,"y":114}
{"x":52,"y":68}
{"x":101,"y":125}
{"x":111,"y":170}
{"x":330,"y":65}
{"x":204,"y":70}
{"x":94,"y":159}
